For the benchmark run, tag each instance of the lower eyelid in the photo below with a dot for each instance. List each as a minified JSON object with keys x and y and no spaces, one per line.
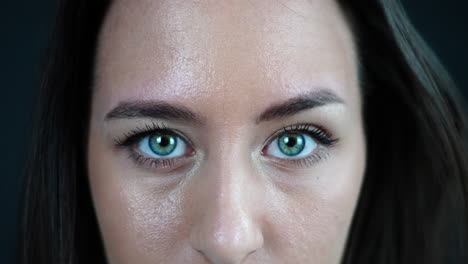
{"x":322,"y":153}
{"x":159,"y":164}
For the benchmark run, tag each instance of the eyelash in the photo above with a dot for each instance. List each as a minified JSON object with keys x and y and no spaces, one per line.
{"x":130,"y":139}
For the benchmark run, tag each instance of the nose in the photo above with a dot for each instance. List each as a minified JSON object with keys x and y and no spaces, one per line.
{"x":227,"y":230}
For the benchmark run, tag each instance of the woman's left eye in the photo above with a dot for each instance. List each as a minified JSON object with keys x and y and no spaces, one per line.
{"x":162,"y":145}
{"x":292,"y":146}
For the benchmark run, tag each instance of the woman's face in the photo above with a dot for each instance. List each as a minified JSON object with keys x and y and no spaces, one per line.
{"x":225,"y":132}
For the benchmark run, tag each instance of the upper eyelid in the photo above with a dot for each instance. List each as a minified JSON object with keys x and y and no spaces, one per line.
{"x":181,"y":135}
{"x":302,"y":128}
{"x":177,"y":133}
{"x":139,"y":133}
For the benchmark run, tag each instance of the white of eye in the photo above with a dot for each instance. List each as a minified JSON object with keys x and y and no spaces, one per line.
{"x":179,"y":150}
{"x":309,"y":146}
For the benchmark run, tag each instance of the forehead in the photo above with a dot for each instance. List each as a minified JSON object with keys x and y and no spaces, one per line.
{"x":205,"y":54}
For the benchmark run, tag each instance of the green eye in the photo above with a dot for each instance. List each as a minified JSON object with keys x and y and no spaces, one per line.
{"x":162,"y":144}
{"x":291,"y":144}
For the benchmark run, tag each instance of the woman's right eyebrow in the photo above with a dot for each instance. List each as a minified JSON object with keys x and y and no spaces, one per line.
{"x":130,"y":109}
{"x":153,"y":109}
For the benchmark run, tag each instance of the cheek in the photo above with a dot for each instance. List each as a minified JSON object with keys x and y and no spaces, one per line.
{"x":156,"y":220}
{"x":313,"y":222}
{"x":139,"y":223}
{"x":308,"y":226}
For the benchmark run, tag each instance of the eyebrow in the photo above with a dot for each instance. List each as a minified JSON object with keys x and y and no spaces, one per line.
{"x":163,"y":110}
{"x":300,"y":103}
{"x":152,"y":109}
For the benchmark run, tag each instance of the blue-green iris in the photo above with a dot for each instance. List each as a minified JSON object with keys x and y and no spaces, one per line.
{"x":162,"y":144}
{"x":291,"y":144}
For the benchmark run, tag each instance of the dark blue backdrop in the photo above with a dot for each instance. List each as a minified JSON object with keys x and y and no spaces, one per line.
{"x":25,"y":26}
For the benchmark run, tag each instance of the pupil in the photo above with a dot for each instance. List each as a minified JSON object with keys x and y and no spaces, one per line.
{"x":163,"y":141}
{"x":291,"y":141}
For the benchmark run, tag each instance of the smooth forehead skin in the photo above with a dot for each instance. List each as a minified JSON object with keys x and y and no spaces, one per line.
{"x":227,"y":61}
{"x":198,"y":49}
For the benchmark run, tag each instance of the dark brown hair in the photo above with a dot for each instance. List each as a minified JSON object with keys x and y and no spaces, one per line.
{"x":413,"y":203}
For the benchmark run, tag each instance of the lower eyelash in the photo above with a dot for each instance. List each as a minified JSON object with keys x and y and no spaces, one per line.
{"x":143,"y":161}
{"x":310,"y":160}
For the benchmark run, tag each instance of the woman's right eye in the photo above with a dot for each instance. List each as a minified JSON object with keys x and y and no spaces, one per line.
{"x":156,"y":146}
{"x":162,"y":145}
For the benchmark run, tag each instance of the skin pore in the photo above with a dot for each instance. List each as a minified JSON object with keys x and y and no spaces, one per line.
{"x":226,"y":80}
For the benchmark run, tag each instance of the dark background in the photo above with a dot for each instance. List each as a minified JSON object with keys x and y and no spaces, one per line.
{"x":25,"y":28}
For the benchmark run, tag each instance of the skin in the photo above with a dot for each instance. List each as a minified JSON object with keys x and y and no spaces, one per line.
{"x":229,"y":201}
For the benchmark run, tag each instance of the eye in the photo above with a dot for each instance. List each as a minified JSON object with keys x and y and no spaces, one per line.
{"x":156,"y":146}
{"x":292,"y":145}
{"x":300,"y":145}
{"x":162,"y":145}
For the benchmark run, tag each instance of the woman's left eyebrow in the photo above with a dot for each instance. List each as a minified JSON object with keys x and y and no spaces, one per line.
{"x":299,"y":103}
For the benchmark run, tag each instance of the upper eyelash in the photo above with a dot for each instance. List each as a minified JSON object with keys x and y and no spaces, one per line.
{"x":138,"y":133}
{"x":317,"y":132}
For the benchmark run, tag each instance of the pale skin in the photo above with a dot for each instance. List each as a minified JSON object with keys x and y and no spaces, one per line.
{"x":228,"y":198}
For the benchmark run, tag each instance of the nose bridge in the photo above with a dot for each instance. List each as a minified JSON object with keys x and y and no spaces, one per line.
{"x":227,"y":230}
{"x":228,"y":166}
